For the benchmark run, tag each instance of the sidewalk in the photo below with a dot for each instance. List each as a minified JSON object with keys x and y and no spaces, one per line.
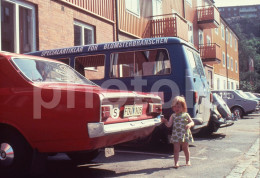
{"x":248,"y":165}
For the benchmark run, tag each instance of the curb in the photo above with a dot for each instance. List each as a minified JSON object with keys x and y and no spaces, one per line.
{"x":248,"y":165}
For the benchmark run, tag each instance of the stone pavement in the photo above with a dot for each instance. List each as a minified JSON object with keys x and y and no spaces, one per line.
{"x":248,"y":165}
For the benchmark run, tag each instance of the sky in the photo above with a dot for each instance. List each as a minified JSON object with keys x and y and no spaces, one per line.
{"x":221,"y":3}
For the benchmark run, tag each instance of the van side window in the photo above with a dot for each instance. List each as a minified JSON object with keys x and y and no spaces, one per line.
{"x":64,"y":60}
{"x":140,"y":63}
{"x":92,"y":67}
{"x":195,"y":62}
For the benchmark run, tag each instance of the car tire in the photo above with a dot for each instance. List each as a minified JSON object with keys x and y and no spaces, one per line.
{"x":15,"y":154}
{"x":83,"y":157}
{"x":238,"y":110}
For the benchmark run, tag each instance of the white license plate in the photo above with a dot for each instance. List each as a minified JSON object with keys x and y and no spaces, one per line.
{"x":109,"y":151}
{"x":133,"y":110}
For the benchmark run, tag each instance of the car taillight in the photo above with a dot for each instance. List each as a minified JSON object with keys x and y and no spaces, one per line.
{"x":105,"y":111}
{"x":155,"y":108}
{"x":196,"y":97}
{"x":211,"y":97}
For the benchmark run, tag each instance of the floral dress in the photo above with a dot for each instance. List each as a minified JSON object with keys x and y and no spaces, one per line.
{"x":179,"y":133}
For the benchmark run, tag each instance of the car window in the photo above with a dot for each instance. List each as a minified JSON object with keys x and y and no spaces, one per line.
{"x":195,"y":62}
{"x":241,"y":93}
{"x":47,"y":71}
{"x":227,"y":95}
{"x":140,"y":63}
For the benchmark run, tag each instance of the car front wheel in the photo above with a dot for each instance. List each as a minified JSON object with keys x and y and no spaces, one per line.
{"x":237,"y":111}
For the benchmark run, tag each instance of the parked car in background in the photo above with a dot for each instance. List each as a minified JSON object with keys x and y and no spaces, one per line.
{"x":221,"y":115}
{"x":222,"y":107}
{"x":252,"y":96}
{"x":48,"y":107}
{"x":257,"y":95}
{"x":237,"y":101}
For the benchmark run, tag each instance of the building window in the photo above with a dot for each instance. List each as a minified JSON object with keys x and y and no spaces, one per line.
{"x":228,"y":61}
{"x":232,"y":85}
{"x":223,"y":59}
{"x":228,"y":85}
{"x":83,"y":34}
{"x":190,"y":32}
{"x":216,"y":31}
{"x":133,"y":6}
{"x":201,"y":41}
{"x":222,"y":32}
{"x":227,"y":36}
{"x":231,"y":63}
{"x":230,"y":39}
{"x":18,"y":33}
{"x":218,"y":84}
{"x":189,"y":2}
{"x":235,"y":44}
{"x":208,"y":40}
{"x":224,"y":84}
{"x":236,"y":66}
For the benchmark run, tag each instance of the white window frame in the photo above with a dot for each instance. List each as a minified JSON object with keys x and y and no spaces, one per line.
{"x":235,"y":44}
{"x":231,"y":63}
{"x":216,"y":31}
{"x":17,"y":24}
{"x":190,"y":38}
{"x":83,"y":26}
{"x":236,"y":66}
{"x":189,"y":2}
{"x":230,"y":39}
{"x":223,"y":59}
{"x":201,"y":42}
{"x":227,"y":41}
{"x":133,"y":7}
{"x":208,"y":40}
{"x":227,"y":61}
{"x":222,"y":32}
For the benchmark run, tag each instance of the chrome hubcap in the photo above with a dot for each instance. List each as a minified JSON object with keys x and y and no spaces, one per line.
{"x":6,"y":154}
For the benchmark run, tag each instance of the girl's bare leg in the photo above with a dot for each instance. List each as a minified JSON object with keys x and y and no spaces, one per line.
{"x":185,"y":147}
{"x":176,"y":154}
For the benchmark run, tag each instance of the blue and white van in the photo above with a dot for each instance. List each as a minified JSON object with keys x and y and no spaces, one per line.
{"x":167,"y":66}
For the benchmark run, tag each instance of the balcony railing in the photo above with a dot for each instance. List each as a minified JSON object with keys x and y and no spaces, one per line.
{"x":208,"y":17}
{"x":210,"y":53}
{"x":171,"y":26}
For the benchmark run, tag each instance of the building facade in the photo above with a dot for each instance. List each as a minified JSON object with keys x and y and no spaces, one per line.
{"x":251,"y":11}
{"x":31,"y":25}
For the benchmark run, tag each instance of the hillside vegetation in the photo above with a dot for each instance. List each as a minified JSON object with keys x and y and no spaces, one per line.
{"x":248,"y":31}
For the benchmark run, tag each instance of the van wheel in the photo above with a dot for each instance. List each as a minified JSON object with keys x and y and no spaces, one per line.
{"x":83,"y":157}
{"x":15,"y":154}
{"x":237,"y":111}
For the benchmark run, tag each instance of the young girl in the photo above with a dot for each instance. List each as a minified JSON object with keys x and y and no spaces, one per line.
{"x":181,"y":134}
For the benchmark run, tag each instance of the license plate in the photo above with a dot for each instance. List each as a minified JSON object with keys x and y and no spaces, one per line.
{"x":133,"y":110}
{"x":109,"y":151}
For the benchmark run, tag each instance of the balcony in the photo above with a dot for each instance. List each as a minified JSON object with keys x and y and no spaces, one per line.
{"x":208,"y":17}
{"x":210,"y":53}
{"x":171,"y":26}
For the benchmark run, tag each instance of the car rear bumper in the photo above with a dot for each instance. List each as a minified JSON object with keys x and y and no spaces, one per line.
{"x":99,"y":129}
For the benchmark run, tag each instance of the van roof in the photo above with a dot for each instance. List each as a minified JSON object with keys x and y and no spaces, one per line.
{"x":112,"y":45}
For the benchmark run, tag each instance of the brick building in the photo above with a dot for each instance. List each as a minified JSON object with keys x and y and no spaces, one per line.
{"x":31,"y":25}
{"x":251,"y":11}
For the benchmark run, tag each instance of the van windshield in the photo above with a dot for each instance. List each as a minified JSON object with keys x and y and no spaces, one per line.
{"x":195,"y":62}
{"x":140,"y":63}
{"x":47,"y":71}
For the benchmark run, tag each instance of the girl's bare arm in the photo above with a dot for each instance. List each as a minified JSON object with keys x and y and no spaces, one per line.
{"x":190,"y":124}
{"x":168,"y":123}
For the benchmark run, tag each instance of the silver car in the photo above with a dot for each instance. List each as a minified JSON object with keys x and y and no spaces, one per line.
{"x":238,"y":101}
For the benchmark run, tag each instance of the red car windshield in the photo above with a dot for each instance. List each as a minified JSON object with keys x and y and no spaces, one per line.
{"x":47,"y":71}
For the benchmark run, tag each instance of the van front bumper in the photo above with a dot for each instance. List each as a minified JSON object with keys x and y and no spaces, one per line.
{"x":100,"y":129}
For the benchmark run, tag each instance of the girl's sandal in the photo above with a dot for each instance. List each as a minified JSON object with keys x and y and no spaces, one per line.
{"x":188,"y":163}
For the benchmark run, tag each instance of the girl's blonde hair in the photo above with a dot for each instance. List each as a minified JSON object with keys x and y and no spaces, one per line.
{"x":181,"y":100}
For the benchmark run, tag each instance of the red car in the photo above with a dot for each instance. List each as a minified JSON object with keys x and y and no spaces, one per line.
{"x":47,"y":107}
